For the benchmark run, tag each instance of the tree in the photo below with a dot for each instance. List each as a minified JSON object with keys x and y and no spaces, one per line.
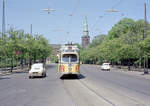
{"x":124,"y":43}
{"x":97,"y":40}
{"x":122,"y":27}
{"x":20,"y":47}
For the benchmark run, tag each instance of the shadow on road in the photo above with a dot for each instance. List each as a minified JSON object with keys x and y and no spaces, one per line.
{"x":38,"y":77}
{"x":72,"y":77}
{"x":2,"y":78}
{"x":81,"y":76}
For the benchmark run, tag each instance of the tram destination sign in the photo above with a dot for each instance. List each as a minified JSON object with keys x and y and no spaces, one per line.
{"x":69,"y":50}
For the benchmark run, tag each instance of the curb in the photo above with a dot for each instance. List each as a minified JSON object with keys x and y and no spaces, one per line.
{"x":134,"y":73}
{"x":4,"y":74}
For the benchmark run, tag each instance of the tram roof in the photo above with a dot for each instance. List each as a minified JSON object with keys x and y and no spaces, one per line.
{"x":69,"y":49}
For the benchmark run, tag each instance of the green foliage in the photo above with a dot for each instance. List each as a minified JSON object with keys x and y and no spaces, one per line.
{"x":97,"y":40}
{"x":78,"y":45}
{"x":124,"y":43}
{"x":146,"y":45}
{"x":122,"y":27}
{"x":53,"y":58}
{"x":16,"y":44}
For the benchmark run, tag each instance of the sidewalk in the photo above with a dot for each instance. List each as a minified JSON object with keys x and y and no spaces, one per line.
{"x":3,"y":73}
{"x":15,"y":70}
{"x":132,"y":72}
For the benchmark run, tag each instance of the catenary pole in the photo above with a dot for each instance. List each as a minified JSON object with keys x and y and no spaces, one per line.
{"x":145,"y":35}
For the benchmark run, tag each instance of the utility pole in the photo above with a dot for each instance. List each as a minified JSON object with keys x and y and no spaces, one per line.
{"x":3,"y":19}
{"x":30,"y":54}
{"x":145,"y":35}
{"x":3,"y":33}
{"x":31,"y":29}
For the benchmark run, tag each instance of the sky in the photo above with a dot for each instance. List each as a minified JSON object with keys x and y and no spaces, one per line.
{"x":66,"y":23}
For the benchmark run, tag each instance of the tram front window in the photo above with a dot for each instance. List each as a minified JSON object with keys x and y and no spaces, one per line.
{"x":69,"y":58}
{"x":65,"y":58}
{"x":73,"y":58}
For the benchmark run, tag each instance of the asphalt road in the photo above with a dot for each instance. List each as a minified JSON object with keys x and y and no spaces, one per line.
{"x":94,"y":88}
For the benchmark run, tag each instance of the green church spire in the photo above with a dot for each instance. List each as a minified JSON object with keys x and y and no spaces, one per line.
{"x":85,"y":30}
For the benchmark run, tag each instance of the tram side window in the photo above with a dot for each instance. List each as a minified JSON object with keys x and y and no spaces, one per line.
{"x":69,"y":58}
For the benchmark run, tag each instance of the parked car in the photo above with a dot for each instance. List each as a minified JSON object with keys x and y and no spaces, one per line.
{"x":105,"y":66}
{"x":37,"y":70}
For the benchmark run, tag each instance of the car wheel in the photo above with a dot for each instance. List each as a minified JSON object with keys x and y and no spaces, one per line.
{"x":30,"y":77}
{"x":45,"y":75}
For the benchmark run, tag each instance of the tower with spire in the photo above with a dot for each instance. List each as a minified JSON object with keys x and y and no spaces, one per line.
{"x":85,"y":38}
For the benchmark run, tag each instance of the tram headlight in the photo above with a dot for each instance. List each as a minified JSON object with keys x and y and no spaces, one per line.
{"x":77,"y":68}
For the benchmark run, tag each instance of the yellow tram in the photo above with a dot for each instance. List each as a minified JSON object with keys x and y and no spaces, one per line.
{"x":69,"y":62}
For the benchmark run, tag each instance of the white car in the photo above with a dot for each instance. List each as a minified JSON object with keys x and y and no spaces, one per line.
{"x":37,"y":70}
{"x":105,"y":66}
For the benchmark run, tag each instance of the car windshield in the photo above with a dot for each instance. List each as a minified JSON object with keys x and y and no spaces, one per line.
{"x":37,"y":66}
{"x":105,"y":64}
{"x":69,"y":58}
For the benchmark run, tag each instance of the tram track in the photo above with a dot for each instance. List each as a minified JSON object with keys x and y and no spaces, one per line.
{"x":109,"y":101}
{"x":98,"y":95}
{"x":68,"y":92}
{"x":90,"y":92}
{"x":131,"y":97}
{"x":81,"y":84}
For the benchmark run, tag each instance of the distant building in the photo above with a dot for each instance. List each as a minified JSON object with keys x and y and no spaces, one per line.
{"x":56,"y":48}
{"x":85,"y":38}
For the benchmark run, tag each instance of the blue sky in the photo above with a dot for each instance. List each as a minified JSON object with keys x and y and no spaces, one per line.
{"x":59,"y":27}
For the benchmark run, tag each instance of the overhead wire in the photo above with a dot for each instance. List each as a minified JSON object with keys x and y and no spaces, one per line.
{"x":100,"y":17}
{"x":71,"y":16}
{"x":118,"y":3}
{"x":50,"y":3}
{"x":115,"y":5}
{"x":73,"y":12}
